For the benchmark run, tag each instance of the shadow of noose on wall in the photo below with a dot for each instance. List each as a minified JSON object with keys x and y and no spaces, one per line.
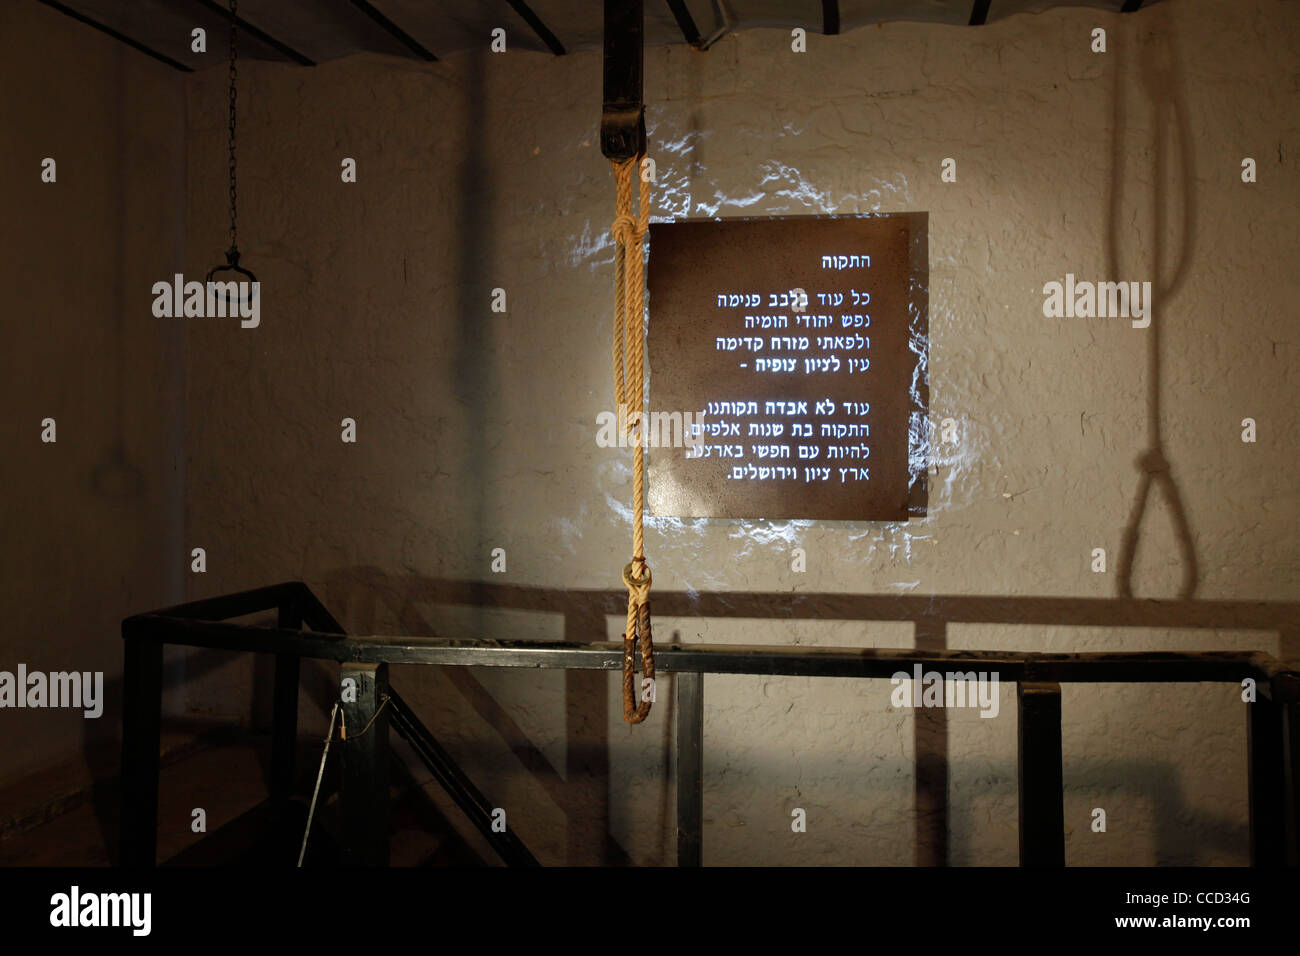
{"x":1159,"y":69}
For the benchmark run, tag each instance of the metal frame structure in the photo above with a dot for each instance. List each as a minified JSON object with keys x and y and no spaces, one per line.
{"x":305,"y":629}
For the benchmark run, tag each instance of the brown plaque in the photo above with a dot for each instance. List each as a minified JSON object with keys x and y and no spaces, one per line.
{"x":803,"y":342}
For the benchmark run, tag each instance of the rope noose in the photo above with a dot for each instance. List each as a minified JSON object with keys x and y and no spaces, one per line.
{"x":629,"y":392}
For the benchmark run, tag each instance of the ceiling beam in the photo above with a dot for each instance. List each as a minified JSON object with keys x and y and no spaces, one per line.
{"x":534,"y":21}
{"x":830,"y":17}
{"x":685,"y":22}
{"x":262,"y":35}
{"x":979,"y":13}
{"x":120,"y":37}
{"x":410,"y":42}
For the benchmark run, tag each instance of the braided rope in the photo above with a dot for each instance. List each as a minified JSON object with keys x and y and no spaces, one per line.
{"x":629,"y":392}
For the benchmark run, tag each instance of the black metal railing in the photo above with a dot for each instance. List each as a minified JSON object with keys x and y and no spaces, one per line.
{"x":1273,"y":721}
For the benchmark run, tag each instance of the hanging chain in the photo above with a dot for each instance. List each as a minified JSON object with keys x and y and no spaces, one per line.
{"x":233,"y":255}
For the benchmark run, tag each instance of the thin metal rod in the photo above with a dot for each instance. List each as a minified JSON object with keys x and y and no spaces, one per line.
{"x":120,"y":37}
{"x":410,"y":42}
{"x":320,"y":775}
{"x":260,"y":34}
{"x":540,"y":28}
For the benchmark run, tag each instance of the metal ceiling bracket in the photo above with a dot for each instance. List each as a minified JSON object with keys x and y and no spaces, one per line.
{"x":622,"y":120}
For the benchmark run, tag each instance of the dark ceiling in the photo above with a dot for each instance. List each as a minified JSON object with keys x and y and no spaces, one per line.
{"x":308,"y":32}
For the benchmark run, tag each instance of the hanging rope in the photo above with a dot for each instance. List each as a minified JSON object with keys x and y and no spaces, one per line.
{"x":629,"y":392}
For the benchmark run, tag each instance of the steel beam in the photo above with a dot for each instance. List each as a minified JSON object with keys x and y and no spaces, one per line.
{"x":141,"y":740}
{"x":1291,"y":761}
{"x":690,"y":768}
{"x":1271,"y":616}
{"x":797,"y":661}
{"x":930,"y":750}
{"x":364,"y":782}
{"x":1267,"y":782}
{"x":1042,"y":810}
{"x":284,"y":725}
{"x":622,"y":119}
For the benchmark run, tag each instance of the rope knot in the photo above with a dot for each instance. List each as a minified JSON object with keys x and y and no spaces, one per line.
{"x":1152,"y":462}
{"x":638,"y":588}
{"x":626,"y":228}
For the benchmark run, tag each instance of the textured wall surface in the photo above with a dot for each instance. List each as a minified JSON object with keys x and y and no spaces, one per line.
{"x":476,"y":430}
{"x":92,"y":522}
